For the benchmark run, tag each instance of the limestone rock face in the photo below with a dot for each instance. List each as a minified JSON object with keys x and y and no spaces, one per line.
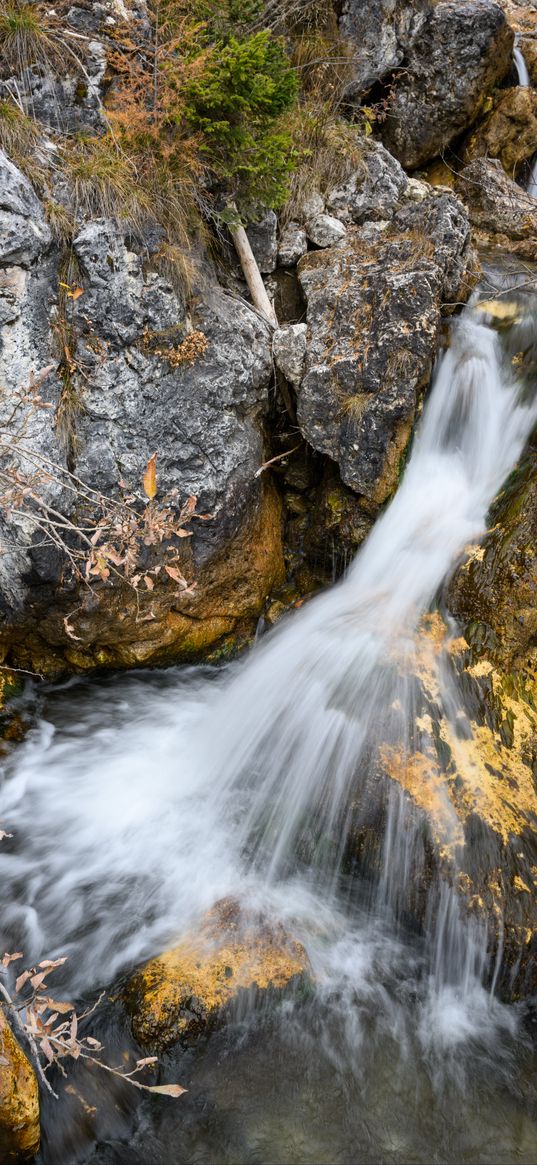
{"x":457,"y":53}
{"x":373,"y":324}
{"x":19,"y":1099}
{"x":379,"y":32}
{"x":374,"y":191}
{"x":289,"y":346}
{"x":185,"y":991}
{"x":324,"y":230}
{"x":147,"y":374}
{"x":509,"y":132}
{"x":24,"y":234}
{"x":501,"y":211}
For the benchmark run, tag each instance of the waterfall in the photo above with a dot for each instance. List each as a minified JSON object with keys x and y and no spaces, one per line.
{"x":521,"y":67}
{"x":157,"y":795}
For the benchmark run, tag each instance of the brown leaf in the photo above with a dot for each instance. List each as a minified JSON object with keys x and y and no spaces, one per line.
{"x":7,"y":959}
{"x":49,"y":963}
{"x":167,"y":1089}
{"x":47,"y":1049}
{"x":22,"y":979}
{"x":183,"y":533}
{"x":70,"y":629}
{"x":93,"y":1043}
{"x":37,"y":980}
{"x":62,"y":1008}
{"x":76,"y":293}
{"x":175,"y":574}
{"x":149,"y":582}
{"x":150,"y":478}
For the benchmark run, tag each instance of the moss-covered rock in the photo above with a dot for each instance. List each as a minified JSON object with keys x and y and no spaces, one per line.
{"x":186,"y":990}
{"x":19,"y":1099}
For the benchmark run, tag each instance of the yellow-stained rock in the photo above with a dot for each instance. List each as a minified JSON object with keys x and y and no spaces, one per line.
{"x":19,"y":1099}
{"x":509,"y":132}
{"x":184,"y":991}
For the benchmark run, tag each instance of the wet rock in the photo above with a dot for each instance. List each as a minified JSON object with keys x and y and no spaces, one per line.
{"x":502,"y":213}
{"x":528,"y":46}
{"x":471,"y":780}
{"x":494,"y":591}
{"x":289,"y":347}
{"x":19,"y":1099}
{"x":509,"y":132}
{"x":373,"y":313}
{"x":325,"y":230}
{"x":293,"y":244}
{"x":263,"y":236}
{"x":186,"y":991}
{"x":458,"y":52}
{"x":373,"y":191}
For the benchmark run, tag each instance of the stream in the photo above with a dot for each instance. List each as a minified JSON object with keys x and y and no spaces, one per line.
{"x":138,"y":801}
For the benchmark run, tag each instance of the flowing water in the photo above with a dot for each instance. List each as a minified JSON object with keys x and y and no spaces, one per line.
{"x":139,"y":801}
{"x":524,"y":81}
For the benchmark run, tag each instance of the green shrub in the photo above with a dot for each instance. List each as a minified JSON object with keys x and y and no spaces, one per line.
{"x":236,"y":104}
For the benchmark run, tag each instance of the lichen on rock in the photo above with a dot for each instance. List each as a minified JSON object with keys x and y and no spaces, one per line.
{"x":19,"y":1099}
{"x":186,"y":990}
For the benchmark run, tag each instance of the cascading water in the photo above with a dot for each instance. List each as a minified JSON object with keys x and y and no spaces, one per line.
{"x":525,"y":82}
{"x":158,"y":795}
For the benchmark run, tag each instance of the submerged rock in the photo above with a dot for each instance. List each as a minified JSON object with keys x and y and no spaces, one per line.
{"x":186,"y":991}
{"x":19,"y":1099}
{"x":458,"y":51}
{"x":471,"y":779}
{"x":494,"y":591}
{"x":502,"y":213}
{"x":373,"y":314}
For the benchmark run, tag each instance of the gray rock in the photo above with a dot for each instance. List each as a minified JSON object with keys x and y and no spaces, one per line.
{"x":379,"y":31}
{"x":373,"y":314}
{"x":373,"y":191}
{"x":263,"y":236}
{"x":202,"y":415}
{"x":312,"y":205}
{"x":293,"y":245}
{"x":457,"y":53}
{"x":24,"y":233}
{"x":325,"y":230}
{"x":289,"y":349}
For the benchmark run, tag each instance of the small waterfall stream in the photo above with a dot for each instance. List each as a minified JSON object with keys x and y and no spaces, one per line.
{"x":138,"y":801}
{"x":524,"y":81}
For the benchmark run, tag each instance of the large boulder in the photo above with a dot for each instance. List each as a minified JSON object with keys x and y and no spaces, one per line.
{"x":130,"y":368}
{"x":500,"y":211}
{"x":460,"y":50}
{"x":509,"y":132}
{"x":186,"y":991}
{"x":373,"y":315}
{"x":19,"y":1099}
{"x":378,"y":32}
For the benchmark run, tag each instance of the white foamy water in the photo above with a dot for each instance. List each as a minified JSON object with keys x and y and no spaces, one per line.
{"x":155,"y":796}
